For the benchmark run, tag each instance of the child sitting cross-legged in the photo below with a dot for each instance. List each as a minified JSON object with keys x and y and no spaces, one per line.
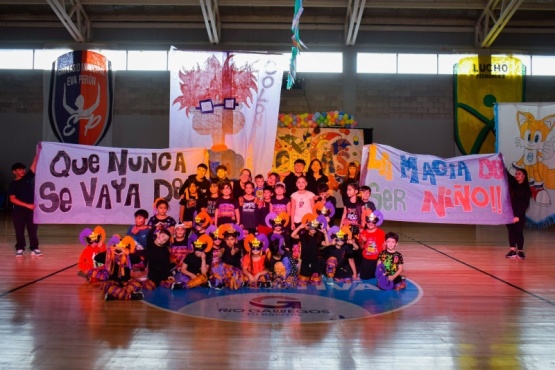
{"x":194,"y":270}
{"x":339,"y":254}
{"x":254,"y":261}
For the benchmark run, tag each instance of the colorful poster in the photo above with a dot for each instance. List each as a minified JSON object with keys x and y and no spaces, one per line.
{"x":78,"y":184}
{"x":423,"y":188}
{"x":335,"y":147}
{"x":526,"y":138}
{"x":80,"y":99}
{"x":479,"y":83}
{"x":227,"y":102}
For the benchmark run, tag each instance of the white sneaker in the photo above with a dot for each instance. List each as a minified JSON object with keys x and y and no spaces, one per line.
{"x":19,"y":253}
{"x":36,"y":252}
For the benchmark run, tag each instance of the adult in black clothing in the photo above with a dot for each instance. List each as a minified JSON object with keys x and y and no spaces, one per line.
{"x":520,"y":193}
{"x":200,"y":180}
{"x":290,"y":180}
{"x":21,"y":193}
{"x":315,"y":176}
{"x":239,"y":185}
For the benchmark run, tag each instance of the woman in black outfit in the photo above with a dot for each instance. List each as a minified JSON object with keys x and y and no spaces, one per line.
{"x":519,"y":190}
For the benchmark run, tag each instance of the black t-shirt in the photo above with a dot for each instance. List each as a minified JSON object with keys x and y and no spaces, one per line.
{"x":203,"y":186}
{"x":23,"y":189}
{"x":194,"y":263}
{"x":290,"y":182}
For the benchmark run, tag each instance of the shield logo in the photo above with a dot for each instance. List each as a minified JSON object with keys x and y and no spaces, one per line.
{"x":81,"y":97}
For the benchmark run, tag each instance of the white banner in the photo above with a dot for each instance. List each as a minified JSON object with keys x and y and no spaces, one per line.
{"x":227,"y":102}
{"x":79,"y":184}
{"x":526,"y":138}
{"x":470,"y":189}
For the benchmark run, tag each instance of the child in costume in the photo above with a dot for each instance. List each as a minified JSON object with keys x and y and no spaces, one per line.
{"x":372,"y":241}
{"x":200,"y":222}
{"x":194,"y":270}
{"x":390,"y":265}
{"x":312,"y":237}
{"x":339,"y":255}
{"x":278,"y":262}
{"x":325,"y":202}
{"x":118,"y":260}
{"x":161,"y":220}
{"x":254,"y":261}
{"x":94,"y":244}
{"x":179,"y":245}
{"x":221,"y":274}
{"x":157,"y":257}
{"x":278,"y":223}
{"x":232,"y":234}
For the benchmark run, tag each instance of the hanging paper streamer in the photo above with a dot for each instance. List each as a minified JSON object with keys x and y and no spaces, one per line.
{"x":297,"y":44}
{"x":318,"y":119}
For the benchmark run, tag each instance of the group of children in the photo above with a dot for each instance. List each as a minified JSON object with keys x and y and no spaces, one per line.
{"x":242,"y":234}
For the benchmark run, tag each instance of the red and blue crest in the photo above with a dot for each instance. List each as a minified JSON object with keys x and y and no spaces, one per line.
{"x":81,"y":97}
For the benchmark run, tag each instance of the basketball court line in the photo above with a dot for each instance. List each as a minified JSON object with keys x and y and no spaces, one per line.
{"x":36,"y":280}
{"x":480,"y":270}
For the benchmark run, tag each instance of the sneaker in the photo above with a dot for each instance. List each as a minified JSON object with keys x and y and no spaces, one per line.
{"x":521,"y":255}
{"x":36,"y":252}
{"x":177,"y":286}
{"x":137,"y":296}
{"x":19,"y":253}
{"x":511,"y":254}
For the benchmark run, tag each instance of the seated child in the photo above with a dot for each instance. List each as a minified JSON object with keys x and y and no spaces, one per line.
{"x":232,"y":234}
{"x":118,"y":259}
{"x":140,"y":230}
{"x":179,"y":246}
{"x":157,"y":257}
{"x":278,"y":263}
{"x":339,"y":255}
{"x":254,"y":261}
{"x":278,"y":224}
{"x":312,"y":237}
{"x":392,"y":262}
{"x":161,"y":220}
{"x":221,"y":274}
{"x":372,"y":241}
{"x":194,"y":270}
{"x":201,"y":221}
{"x":94,"y":244}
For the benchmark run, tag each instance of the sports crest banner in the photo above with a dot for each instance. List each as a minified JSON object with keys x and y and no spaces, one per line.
{"x":526,"y":138}
{"x":79,"y":101}
{"x":78,"y":184}
{"x":228,"y":102}
{"x":423,"y":188}
{"x":479,"y":83}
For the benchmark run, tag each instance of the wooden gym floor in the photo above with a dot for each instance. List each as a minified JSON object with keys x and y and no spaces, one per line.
{"x":478,"y":310}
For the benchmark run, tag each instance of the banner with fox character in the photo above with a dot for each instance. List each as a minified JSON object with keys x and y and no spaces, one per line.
{"x":423,"y":188}
{"x":526,"y":138}
{"x":79,"y":184}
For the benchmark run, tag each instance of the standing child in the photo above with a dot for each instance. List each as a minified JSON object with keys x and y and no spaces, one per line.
{"x":227,"y":208}
{"x":264,"y":209}
{"x":161,"y":220}
{"x":278,"y":224}
{"x":392,"y":262}
{"x":302,"y":202}
{"x":221,"y":275}
{"x":365,"y":193}
{"x":372,"y":241}
{"x":209,"y":204}
{"x":311,"y":238}
{"x":352,"y":211}
{"x":248,"y":209}
{"x":189,"y":205}
{"x":279,"y":202}
{"x":259,"y":188}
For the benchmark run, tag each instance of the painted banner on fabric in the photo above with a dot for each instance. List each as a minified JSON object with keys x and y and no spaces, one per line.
{"x":79,"y":101}
{"x":526,"y":138}
{"x":78,"y":184}
{"x":228,"y":102}
{"x":423,"y":188}
{"x":479,"y":83}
